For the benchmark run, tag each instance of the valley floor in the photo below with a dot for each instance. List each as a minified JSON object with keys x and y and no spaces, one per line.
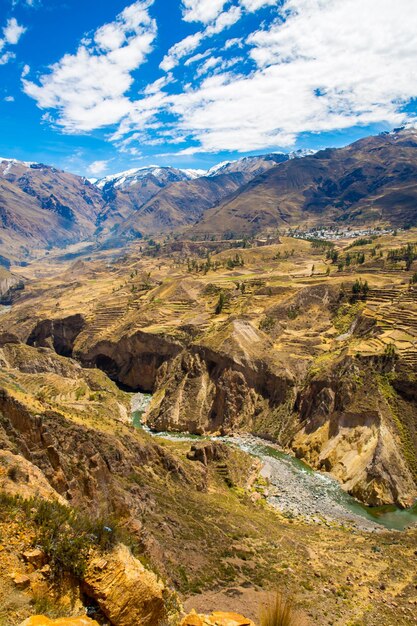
{"x":270,"y":340}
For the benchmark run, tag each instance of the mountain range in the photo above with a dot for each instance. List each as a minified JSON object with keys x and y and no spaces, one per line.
{"x":372,"y":181}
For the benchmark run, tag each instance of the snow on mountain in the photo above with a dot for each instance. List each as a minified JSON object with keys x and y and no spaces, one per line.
{"x":6,"y":165}
{"x":216,"y":169}
{"x":299,"y":154}
{"x":164,"y":175}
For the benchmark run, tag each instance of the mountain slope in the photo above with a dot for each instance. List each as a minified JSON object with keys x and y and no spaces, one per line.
{"x":182,"y":203}
{"x":41,"y":206}
{"x":126,"y":192}
{"x":372,"y":181}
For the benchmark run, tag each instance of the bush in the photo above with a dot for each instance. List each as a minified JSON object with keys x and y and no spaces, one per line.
{"x":64,"y":534}
{"x":220,"y":304}
{"x":278,"y":612}
{"x":13,"y":473}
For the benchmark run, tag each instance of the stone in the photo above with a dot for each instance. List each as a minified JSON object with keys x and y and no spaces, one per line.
{"x":218,"y":618}
{"x":35,"y":557}
{"x":41,"y":620}
{"x":21,"y":581}
{"x":127,"y":593}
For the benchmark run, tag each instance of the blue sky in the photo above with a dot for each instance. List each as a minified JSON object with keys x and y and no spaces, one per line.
{"x":98,"y":87}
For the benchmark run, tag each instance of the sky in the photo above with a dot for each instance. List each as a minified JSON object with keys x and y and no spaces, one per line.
{"x":100,"y":86}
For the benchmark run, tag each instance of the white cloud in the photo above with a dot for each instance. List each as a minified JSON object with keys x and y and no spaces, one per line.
{"x":159,"y":84}
{"x":98,"y":167}
{"x":202,"y":10}
{"x":181,"y":49}
{"x":198,"y":57}
{"x":224,"y":20}
{"x":13,"y":31}
{"x":255,"y":5}
{"x":236,"y":41}
{"x":331,"y":64}
{"x":88,"y":88}
{"x":6,"y":57}
{"x":321,"y":65}
{"x":189,"y":44}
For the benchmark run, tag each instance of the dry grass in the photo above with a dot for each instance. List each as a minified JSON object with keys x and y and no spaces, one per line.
{"x":279,"y":611}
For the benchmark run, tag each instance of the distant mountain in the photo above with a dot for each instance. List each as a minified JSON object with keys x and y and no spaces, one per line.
{"x":252,"y":166}
{"x":182,"y":203}
{"x":156,"y":199}
{"x":161,"y":175}
{"x":372,"y":181}
{"x":41,"y":206}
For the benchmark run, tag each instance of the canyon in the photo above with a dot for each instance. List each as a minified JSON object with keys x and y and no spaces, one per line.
{"x":303,"y":340}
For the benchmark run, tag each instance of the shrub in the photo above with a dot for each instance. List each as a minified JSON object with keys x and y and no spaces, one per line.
{"x":267,"y":323}
{"x":64,"y":534}
{"x":220,"y":304}
{"x":278,"y":611}
{"x":13,"y":473}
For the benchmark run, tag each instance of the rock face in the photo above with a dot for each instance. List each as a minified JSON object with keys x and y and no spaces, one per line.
{"x":127,"y":593}
{"x":57,"y":334}
{"x":217,"y":618}
{"x":41,"y":620}
{"x":133,"y":361}
{"x":226,"y":385}
{"x":349,"y":428}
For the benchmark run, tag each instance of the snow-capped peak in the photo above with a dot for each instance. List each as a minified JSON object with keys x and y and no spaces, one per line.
{"x":164,"y":174}
{"x":213,"y":171}
{"x":7,"y":164}
{"x":299,"y":154}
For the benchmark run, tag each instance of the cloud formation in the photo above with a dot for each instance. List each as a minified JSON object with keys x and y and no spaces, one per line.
{"x":202,"y":10}
{"x":98,"y":167}
{"x":88,"y":88}
{"x":12,"y":33}
{"x":310,"y":66}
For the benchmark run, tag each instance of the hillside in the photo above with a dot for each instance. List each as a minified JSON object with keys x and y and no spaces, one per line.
{"x":372,"y":181}
{"x":165,"y":199}
{"x":41,"y":206}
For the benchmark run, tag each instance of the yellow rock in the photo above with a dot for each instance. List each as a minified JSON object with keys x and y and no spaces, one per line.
{"x":127,"y":593}
{"x":40,"y":620}
{"x":216,"y":619}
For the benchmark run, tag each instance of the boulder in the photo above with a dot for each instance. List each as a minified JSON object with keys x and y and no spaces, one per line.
{"x":41,"y":620}
{"x":35,"y":557}
{"x":126,"y":592}
{"x":216,"y":619}
{"x":21,"y":581}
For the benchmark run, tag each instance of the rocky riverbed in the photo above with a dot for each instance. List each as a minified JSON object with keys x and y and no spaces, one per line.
{"x":295,"y":489}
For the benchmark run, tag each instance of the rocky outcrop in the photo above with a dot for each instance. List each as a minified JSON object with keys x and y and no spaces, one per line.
{"x":20,"y":477}
{"x":348,"y":428}
{"x":41,"y":620}
{"x":81,"y":463}
{"x":59,"y":334}
{"x":204,"y":390}
{"x":218,"y":618}
{"x":127,"y":593}
{"x":8,"y":285}
{"x":133,"y":361}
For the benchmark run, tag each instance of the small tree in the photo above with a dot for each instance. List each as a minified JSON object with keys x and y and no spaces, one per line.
{"x":221,"y":302}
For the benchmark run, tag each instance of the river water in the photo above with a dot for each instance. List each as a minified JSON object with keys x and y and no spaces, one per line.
{"x":294,"y":487}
